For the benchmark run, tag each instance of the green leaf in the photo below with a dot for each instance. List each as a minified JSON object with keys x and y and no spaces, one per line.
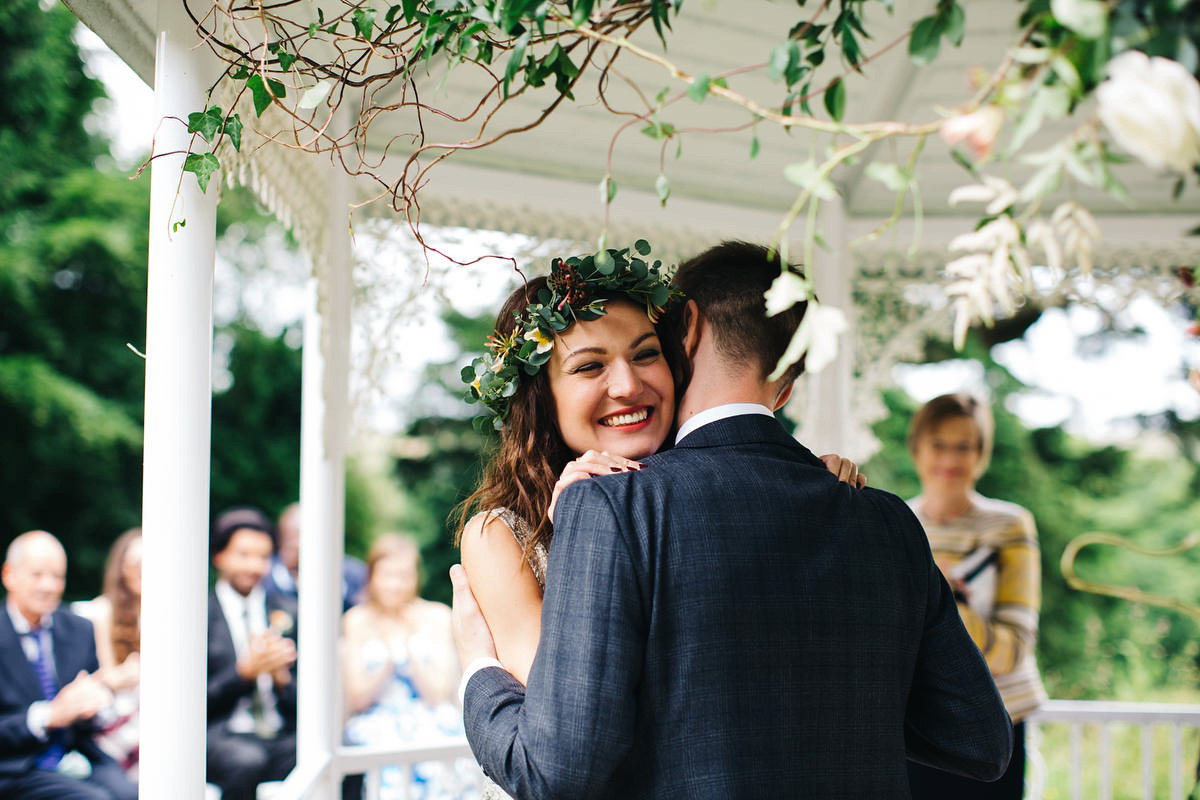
{"x":180,"y":224}
{"x":604,"y":262}
{"x":892,"y":176}
{"x":754,"y":147}
{"x":581,"y":11}
{"x":608,"y":189}
{"x":241,"y":73}
{"x":657,"y":129}
{"x":312,"y":29}
{"x":954,"y":24}
{"x":203,"y":165}
{"x":663,"y":187}
{"x":641,"y":247}
{"x":206,"y":123}
{"x":924,"y":42}
{"x":835,"y":100}
{"x":781,"y":58}
{"x":392,"y":12}
{"x":806,"y":175}
{"x":410,"y":9}
{"x":233,"y":129}
{"x":277,"y":88}
{"x":260,"y":93}
{"x":286,"y":59}
{"x":515,"y":60}
{"x":364,"y":21}
{"x":699,"y":88}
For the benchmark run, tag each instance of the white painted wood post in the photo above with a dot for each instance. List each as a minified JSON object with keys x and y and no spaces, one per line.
{"x":177,"y":431}
{"x":324,"y":423}
{"x":826,"y":425}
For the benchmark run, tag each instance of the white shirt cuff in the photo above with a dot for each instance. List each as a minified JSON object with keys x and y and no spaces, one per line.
{"x":480,"y":663}
{"x":37,"y":717}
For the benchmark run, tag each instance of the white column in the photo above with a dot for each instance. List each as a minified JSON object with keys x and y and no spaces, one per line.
{"x":177,"y":431}
{"x":324,"y":422}
{"x":826,"y":425}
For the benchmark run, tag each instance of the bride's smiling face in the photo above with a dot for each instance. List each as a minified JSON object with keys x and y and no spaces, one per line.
{"x":612,"y":386}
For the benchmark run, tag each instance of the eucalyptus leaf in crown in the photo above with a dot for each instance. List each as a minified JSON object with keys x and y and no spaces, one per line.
{"x":577,"y":290}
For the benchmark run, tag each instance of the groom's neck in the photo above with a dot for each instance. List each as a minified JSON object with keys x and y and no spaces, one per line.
{"x":711,"y":387}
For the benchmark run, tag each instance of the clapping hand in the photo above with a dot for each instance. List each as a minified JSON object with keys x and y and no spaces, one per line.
{"x":271,"y":653}
{"x":82,"y":698}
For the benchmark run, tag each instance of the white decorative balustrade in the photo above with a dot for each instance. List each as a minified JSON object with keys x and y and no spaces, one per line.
{"x":1091,"y":767}
{"x":1088,"y":765}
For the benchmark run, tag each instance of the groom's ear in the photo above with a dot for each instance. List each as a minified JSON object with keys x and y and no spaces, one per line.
{"x":692,"y":323}
{"x":783,"y":396}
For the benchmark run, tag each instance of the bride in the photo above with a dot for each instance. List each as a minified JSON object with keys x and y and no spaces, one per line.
{"x":580,"y":379}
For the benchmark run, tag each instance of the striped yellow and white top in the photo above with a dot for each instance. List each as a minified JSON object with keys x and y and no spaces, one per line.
{"x":994,"y":549}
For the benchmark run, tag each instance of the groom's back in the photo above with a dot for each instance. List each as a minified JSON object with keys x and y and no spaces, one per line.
{"x":787,"y":615}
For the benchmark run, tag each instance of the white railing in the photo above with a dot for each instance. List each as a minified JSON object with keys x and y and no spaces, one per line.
{"x":1091,"y":729}
{"x":367,"y":761}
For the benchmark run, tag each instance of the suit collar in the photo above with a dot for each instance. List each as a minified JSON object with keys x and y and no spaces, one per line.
{"x":745,"y":429}
{"x":17,"y":665}
{"x":710,"y":415}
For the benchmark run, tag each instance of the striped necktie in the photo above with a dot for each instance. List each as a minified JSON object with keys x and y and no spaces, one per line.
{"x":41,"y":665}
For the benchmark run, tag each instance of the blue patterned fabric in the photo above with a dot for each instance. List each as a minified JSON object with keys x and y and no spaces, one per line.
{"x":733,"y":622}
{"x":45,"y":675}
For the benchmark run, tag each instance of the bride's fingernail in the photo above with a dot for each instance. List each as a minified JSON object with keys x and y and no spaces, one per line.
{"x":616,"y":469}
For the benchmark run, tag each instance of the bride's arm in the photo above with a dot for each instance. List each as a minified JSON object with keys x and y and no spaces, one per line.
{"x":506,"y":590}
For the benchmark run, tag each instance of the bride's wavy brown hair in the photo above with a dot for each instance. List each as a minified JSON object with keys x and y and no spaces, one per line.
{"x":521,"y":470}
{"x":124,"y":602}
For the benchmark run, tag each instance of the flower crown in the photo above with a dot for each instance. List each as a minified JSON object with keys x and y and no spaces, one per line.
{"x":571,"y":295}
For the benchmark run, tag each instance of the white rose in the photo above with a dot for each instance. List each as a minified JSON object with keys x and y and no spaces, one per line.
{"x":1151,"y":106}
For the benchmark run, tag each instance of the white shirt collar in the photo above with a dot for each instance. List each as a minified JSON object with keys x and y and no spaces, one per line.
{"x":19,"y":623}
{"x":232,"y":601}
{"x":719,"y":412}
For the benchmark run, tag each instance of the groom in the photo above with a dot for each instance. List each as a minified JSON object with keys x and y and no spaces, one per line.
{"x":731,"y":621}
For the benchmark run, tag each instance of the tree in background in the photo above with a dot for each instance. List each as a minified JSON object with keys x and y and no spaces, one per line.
{"x":73,"y":244}
{"x":73,"y":249}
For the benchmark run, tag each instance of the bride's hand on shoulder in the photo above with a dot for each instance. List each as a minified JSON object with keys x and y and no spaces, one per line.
{"x":590,"y":464}
{"x":845,"y":470}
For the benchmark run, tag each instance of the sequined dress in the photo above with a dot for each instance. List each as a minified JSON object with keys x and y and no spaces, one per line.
{"x":537,"y":562}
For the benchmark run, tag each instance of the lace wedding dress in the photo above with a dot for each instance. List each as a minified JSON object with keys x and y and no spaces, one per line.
{"x":537,"y":562}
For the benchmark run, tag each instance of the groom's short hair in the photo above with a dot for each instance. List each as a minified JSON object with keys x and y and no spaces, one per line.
{"x":727,"y":282}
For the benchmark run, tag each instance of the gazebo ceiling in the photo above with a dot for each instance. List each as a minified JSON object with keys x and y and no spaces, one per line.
{"x":546,"y":179}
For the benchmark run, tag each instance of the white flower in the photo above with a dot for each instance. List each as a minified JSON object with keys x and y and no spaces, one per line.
{"x":1151,"y":107}
{"x":998,"y":193}
{"x":786,"y":290}
{"x":817,"y":336}
{"x":979,"y":128}
{"x":1088,"y":18}
{"x":544,"y":343}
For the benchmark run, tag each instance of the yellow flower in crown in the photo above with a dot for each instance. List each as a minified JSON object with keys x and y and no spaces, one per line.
{"x":544,"y":343}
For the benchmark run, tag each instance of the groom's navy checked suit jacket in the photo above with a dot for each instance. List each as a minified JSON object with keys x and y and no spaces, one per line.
{"x":733,"y":622}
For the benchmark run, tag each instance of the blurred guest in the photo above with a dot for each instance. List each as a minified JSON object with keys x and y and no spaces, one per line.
{"x":285,"y":565}
{"x":50,"y":692}
{"x":251,"y":661}
{"x":401,"y":671}
{"x":988,"y":551}
{"x":116,"y":615}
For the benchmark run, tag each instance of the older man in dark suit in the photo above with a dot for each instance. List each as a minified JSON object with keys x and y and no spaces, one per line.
{"x":251,"y":661}
{"x":50,"y":693}
{"x":731,"y":621}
